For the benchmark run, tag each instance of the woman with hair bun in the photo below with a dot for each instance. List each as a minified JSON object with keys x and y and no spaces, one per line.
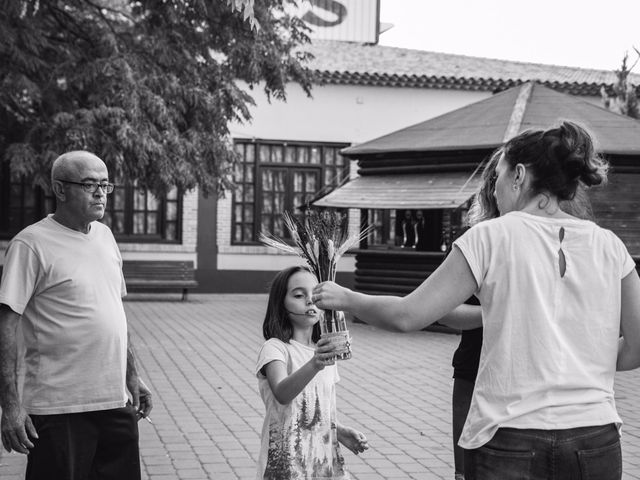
{"x":556,"y":293}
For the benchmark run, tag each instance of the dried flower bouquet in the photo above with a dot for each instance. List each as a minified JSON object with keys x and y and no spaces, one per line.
{"x":321,"y":239}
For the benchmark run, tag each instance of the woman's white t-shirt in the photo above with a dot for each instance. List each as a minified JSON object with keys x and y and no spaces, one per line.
{"x":550,"y":336}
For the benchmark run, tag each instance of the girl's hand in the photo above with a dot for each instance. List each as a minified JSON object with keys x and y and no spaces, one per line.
{"x":324,"y":353}
{"x":331,"y":296}
{"x":352,"y":439}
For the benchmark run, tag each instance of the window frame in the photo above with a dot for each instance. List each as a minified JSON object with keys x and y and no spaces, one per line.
{"x":259,"y":164}
{"x":129,"y":211}
{"x":385,"y":230}
{"x":42,"y":203}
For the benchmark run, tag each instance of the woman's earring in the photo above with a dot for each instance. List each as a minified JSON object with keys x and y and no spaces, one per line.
{"x":516,"y":186}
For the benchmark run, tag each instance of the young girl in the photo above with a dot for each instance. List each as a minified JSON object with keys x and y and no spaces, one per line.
{"x":297,"y":378}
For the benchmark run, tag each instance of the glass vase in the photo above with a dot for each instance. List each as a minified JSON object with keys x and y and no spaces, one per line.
{"x":333,"y":325}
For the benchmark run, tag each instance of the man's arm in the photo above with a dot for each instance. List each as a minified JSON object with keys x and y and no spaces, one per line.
{"x":140,"y":393}
{"x":16,"y":425}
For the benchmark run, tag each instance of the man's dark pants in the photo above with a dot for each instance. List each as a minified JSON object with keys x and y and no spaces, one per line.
{"x":101,"y":445}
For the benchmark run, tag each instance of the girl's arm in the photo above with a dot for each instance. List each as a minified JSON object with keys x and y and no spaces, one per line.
{"x":351,"y":438}
{"x":449,"y":286}
{"x":287,"y":387}
{"x":629,"y":344}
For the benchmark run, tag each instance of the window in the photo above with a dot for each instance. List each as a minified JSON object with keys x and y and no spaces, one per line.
{"x":134,"y":214}
{"x":419,"y":230}
{"x":274,"y":177}
{"x":21,"y":204}
{"x":383,"y":233}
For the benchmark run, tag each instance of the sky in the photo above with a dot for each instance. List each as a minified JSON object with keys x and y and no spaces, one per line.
{"x":577,"y":33}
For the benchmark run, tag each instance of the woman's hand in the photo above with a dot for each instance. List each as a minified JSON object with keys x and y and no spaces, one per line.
{"x":331,"y":296}
{"x":352,"y":439}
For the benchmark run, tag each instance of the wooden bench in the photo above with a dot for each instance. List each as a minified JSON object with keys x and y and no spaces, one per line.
{"x":156,"y":275}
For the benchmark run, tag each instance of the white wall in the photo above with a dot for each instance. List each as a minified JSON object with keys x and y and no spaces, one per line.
{"x":345,"y":113}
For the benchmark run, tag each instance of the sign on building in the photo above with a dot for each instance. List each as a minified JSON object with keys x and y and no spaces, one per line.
{"x":346,"y":20}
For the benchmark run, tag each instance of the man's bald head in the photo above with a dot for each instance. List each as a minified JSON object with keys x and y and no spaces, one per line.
{"x":68,"y":164}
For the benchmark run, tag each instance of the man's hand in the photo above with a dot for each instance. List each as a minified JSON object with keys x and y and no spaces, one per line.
{"x":140,"y":396}
{"x":145,"y":403}
{"x":15,"y":426}
{"x":17,"y":429}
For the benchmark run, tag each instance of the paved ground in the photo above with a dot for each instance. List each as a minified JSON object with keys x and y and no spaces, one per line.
{"x":198,"y":357}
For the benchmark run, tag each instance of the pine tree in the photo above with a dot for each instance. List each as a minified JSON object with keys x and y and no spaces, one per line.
{"x":279,"y":461}
{"x":303,"y":416}
{"x":317,"y":412}
{"x":624,"y":97}
{"x":149,"y":85}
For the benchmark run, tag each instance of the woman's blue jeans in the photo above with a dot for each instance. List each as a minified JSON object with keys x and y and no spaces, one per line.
{"x":585,"y":453}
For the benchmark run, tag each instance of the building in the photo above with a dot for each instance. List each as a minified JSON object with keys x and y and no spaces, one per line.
{"x":415,"y":184}
{"x":291,"y":154}
{"x":290,"y":149}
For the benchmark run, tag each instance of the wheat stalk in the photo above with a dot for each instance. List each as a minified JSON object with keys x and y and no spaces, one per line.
{"x":321,"y":239}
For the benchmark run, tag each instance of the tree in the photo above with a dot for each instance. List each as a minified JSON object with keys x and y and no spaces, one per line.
{"x":624,"y":98}
{"x":148,"y":85}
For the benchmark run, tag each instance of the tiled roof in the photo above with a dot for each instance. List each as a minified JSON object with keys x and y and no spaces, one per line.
{"x":485,"y":125}
{"x":358,"y":64}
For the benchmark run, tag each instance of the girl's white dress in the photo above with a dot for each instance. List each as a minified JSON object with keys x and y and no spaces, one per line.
{"x":299,"y":439}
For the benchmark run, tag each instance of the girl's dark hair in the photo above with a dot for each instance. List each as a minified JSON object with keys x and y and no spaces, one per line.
{"x":276,"y":321}
{"x":560,"y":159}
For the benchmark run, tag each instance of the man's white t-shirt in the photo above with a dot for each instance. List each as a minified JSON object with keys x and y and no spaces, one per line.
{"x":550,"y":340}
{"x":68,"y":287}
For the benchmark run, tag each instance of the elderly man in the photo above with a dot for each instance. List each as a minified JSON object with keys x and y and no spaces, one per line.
{"x":63,"y":278}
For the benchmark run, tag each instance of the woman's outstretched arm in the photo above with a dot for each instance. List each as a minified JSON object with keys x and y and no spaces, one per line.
{"x":446,"y":288}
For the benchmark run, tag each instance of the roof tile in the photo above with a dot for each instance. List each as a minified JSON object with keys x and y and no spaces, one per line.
{"x":376,"y":65}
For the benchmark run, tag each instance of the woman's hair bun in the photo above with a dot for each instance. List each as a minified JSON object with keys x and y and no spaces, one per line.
{"x":560,"y":158}
{"x":576,"y":154}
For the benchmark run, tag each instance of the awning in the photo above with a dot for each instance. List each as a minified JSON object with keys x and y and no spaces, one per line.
{"x":415,"y":191}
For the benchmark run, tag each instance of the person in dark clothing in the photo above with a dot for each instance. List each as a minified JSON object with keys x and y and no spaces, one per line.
{"x":465,"y":368}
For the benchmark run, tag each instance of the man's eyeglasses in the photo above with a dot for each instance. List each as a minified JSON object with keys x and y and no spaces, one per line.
{"x":92,"y":187}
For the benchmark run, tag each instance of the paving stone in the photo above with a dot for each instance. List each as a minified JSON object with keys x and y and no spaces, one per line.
{"x":198,"y":358}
